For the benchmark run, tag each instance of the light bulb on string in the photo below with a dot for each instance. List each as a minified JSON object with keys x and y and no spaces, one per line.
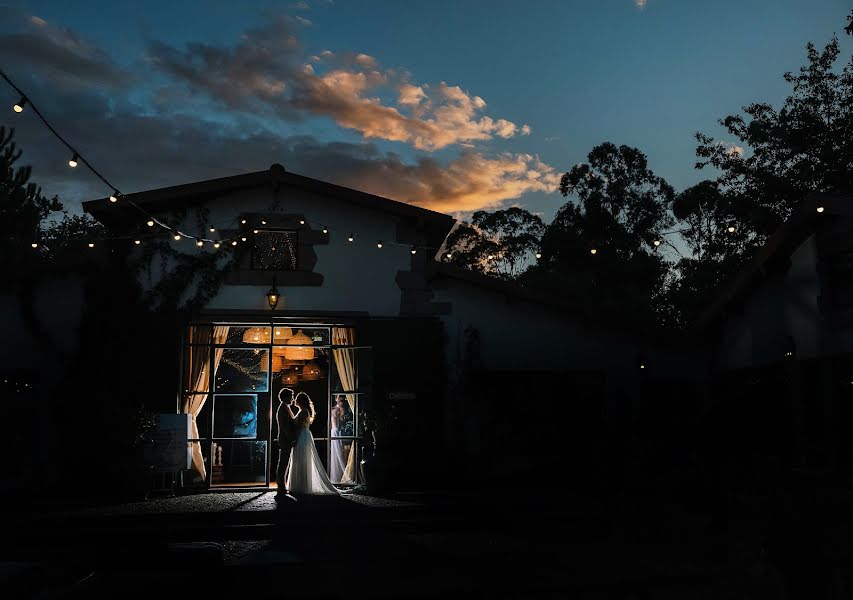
{"x":91,"y":244}
{"x":730,"y":229}
{"x":302,"y":221}
{"x":538,"y":255}
{"x":325,"y":230}
{"x":234,"y":242}
{"x":137,"y":242}
{"x":20,"y":104}
{"x":413,"y":250}
{"x":820,"y":209}
{"x":73,"y":162}
{"x":255,"y":231}
{"x":212,"y":229}
{"x":216,"y":244}
{"x":177,"y":237}
{"x":263,"y":222}
{"x":34,"y":245}
{"x":449,"y":255}
{"x":243,"y":238}
{"x":199,"y":243}
{"x":656,"y":243}
{"x":593,"y":251}
{"x":243,"y":221}
{"x":114,"y":196}
{"x":150,"y":223}
{"x":378,"y":244}
{"x":350,"y":238}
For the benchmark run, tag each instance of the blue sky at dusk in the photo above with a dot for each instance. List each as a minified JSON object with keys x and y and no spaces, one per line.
{"x":454,"y":106}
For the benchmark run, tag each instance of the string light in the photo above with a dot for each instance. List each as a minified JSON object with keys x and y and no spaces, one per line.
{"x":593,"y":251}
{"x":449,"y":255}
{"x":137,"y":242}
{"x":255,"y":231}
{"x":151,"y":221}
{"x":34,"y":245}
{"x":731,"y":229}
{"x":177,"y":237}
{"x":199,"y":243}
{"x":820,"y":209}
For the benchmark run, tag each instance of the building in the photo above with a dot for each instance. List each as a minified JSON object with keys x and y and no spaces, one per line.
{"x":284,"y":284}
{"x":780,"y":338}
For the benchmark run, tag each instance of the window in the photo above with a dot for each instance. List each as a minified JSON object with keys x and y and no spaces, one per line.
{"x":274,"y":250}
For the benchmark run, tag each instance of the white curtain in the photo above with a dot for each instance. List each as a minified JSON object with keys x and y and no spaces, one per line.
{"x":345,"y":362}
{"x":199,"y":359}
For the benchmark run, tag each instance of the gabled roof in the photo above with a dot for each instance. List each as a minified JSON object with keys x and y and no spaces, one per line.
{"x":802,"y":223}
{"x":119,"y":216}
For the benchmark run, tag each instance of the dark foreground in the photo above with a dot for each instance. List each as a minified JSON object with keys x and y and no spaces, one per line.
{"x":494,"y":543}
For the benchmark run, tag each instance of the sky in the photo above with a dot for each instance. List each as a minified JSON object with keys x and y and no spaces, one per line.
{"x":454,"y":105}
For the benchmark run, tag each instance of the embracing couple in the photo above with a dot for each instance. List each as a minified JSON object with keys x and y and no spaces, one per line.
{"x":299,"y":470}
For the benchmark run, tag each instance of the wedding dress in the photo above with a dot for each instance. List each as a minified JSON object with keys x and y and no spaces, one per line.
{"x":307,"y":475}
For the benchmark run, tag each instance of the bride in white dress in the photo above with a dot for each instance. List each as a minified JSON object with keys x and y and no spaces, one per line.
{"x":306,"y":474}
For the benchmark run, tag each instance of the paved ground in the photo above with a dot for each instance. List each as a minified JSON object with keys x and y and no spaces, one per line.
{"x":415,"y":545}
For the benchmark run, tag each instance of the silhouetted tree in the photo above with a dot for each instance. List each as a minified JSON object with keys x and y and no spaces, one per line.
{"x":705,"y":217}
{"x":619,"y":208}
{"x":510,"y":237}
{"x":782,"y":155}
{"x":23,"y":210}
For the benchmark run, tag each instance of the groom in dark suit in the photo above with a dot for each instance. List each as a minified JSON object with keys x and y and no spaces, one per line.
{"x":286,"y":442}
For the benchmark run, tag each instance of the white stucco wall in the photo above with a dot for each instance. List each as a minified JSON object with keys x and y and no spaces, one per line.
{"x":517,"y":335}
{"x":358,"y":276}
{"x":779,"y":307}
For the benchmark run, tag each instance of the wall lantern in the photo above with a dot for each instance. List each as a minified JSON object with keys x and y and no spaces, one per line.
{"x":273,"y":295}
